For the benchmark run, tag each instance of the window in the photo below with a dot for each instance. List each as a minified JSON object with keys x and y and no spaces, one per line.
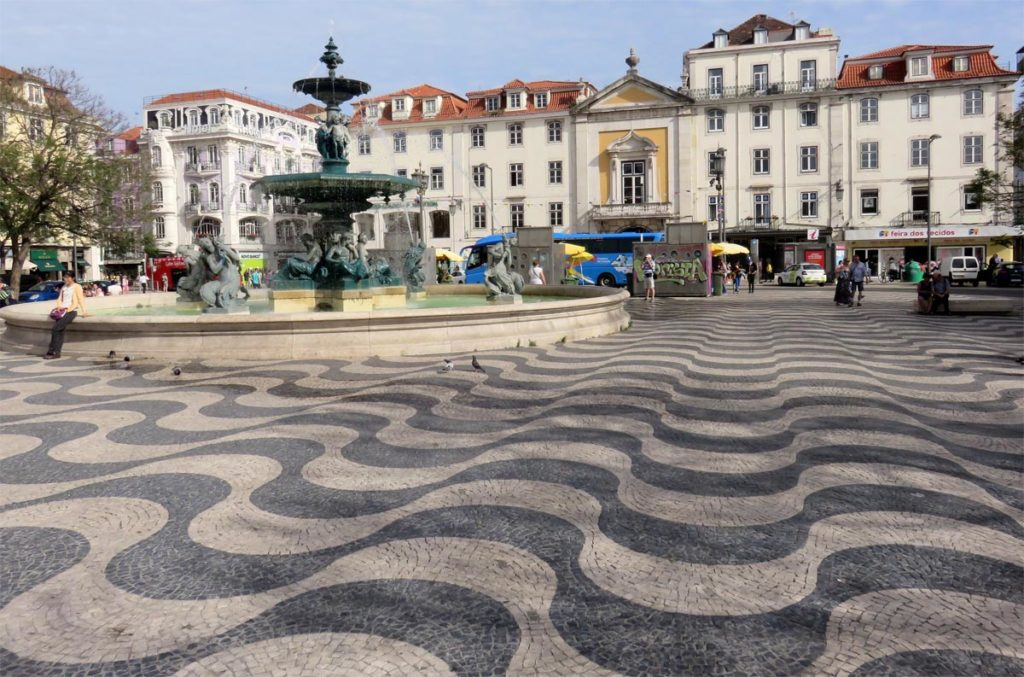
{"x":716,"y":120}
{"x":214,"y":194}
{"x":515,"y":100}
{"x":808,"y":74}
{"x":372,"y":111}
{"x":633,"y":173}
{"x":714,"y":168}
{"x":193,"y":194}
{"x":555,"y":171}
{"x":869,"y":109}
{"x":540,"y":100}
{"x":808,"y":115}
{"x":715,"y":81}
{"x":480,"y":176}
{"x":364,"y":145}
{"x":492,"y":104}
{"x":919,"y":66}
{"x":213,"y":156}
{"x":554,"y":132}
{"x":517,"y":215}
{"x":402,"y":172}
{"x":35,"y":129}
{"x":973,"y":102}
{"x":398,"y":105}
{"x":961,"y":63}
{"x":760,"y":78}
{"x":477,"y":137}
{"x":193,"y":118}
{"x":875,"y":72}
{"x":919,"y":152}
{"x":972,"y":150}
{"x":761,"y":117}
{"x":158,"y":193}
{"x":35,"y":93}
{"x":555,"y":219}
{"x":515,"y":135}
{"x":762,"y":161}
{"x":430,"y":107}
{"x":192,"y":155}
{"x":157,"y":156}
{"x":479,"y":217}
{"x":243,"y":194}
{"x":808,"y":158}
{"x":809,"y":205}
{"x":241,"y":154}
{"x":869,"y":202}
{"x":399,"y":141}
{"x":436,"y":139}
{"x":159,"y":229}
{"x":713,"y":209}
{"x":760,"y":36}
{"x":869,"y":155}
{"x":437,"y":178}
{"x":762,"y":209}
{"x":919,"y":106}
{"x":972,"y":201}
{"x":515,"y":174}
{"x":214,"y":114}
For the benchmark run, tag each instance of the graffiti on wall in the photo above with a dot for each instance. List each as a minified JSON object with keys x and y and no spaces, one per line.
{"x":683,"y":269}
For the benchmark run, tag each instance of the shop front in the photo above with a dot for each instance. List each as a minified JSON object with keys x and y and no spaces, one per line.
{"x":48,"y":264}
{"x":877,"y":246}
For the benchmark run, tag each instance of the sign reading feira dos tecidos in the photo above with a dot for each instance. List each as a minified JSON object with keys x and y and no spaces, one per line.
{"x":682,"y":269}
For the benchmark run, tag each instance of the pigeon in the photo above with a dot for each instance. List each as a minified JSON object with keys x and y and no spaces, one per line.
{"x":127,"y":359}
{"x":476,"y":365}
{"x":176,"y":371}
{"x":111,"y":355}
{"x":448,"y":366}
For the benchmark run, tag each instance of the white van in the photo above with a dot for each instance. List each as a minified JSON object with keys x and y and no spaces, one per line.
{"x":961,"y":269}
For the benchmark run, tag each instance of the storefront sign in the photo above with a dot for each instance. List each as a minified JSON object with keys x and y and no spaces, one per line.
{"x":919,"y":233}
{"x":812,"y":233}
{"x":815,"y":256}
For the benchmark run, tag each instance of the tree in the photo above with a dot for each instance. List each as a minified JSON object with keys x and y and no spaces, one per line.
{"x":53,"y":184}
{"x":1000,"y":190}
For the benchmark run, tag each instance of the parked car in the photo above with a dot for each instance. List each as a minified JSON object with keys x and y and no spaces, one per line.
{"x":961,"y":269}
{"x":1010,"y":274}
{"x":801,"y":274}
{"x":48,"y":290}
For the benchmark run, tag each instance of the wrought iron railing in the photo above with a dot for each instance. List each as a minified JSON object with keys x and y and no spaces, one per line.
{"x":915,"y":218}
{"x":201,"y":207}
{"x":771,"y":89}
{"x":760,"y":223}
{"x":202,"y":166}
{"x":618,"y":211}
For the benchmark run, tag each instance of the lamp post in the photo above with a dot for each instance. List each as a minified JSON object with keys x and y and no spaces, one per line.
{"x":420,"y":177}
{"x":928,"y":215}
{"x":490,"y":181}
{"x":719,"y":185}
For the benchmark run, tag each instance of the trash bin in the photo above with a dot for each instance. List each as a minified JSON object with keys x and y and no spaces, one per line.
{"x":912,"y":272}
{"x":717,"y":283}
{"x":631,"y":283}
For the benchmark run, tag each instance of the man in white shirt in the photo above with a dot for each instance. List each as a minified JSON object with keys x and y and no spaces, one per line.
{"x":143,"y":281}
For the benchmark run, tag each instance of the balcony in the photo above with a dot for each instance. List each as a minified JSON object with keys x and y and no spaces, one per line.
{"x":202,"y":208}
{"x":757,"y":223}
{"x":914,"y":219}
{"x":202,"y":167}
{"x":658,"y":210}
{"x":751,"y":92}
{"x":254,"y":207}
{"x":250,"y":168}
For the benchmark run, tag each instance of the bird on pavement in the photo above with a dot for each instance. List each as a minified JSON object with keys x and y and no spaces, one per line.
{"x":447,"y":367}
{"x":176,"y":371}
{"x":111,"y":355}
{"x":476,"y":365}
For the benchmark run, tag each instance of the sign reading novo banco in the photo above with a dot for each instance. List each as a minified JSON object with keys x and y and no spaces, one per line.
{"x":918,"y":233}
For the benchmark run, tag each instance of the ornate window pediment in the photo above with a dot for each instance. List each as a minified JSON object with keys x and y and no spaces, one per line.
{"x":632,"y":143}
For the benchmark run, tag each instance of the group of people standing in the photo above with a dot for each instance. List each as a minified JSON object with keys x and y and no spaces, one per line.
{"x":255,"y":278}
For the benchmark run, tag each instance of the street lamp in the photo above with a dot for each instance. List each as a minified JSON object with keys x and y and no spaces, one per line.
{"x":928,"y":216}
{"x":487,"y":167}
{"x":718,"y":183}
{"x":420,"y":177}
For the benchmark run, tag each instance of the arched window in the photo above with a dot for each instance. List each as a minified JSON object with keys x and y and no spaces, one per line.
{"x":869,"y":109}
{"x":973,"y":102}
{"x":243,"y":194}
{"x":441,"y":223}
{"x":249,"y":229}
{"x":159,"y":229}
{"x":436,"y":139}
{"x":809,"y":114}
{"x":193,"y":194}
{"x":165,"y":118}
{"x":206,"y":227}
{"x":716,"y":120}
{"x":158,"y":193}
{"x":193,"y":118}
{"x":919,"y":106}
{"x":214,"y":114}
{"x":157,"y":156}
{"x":286,"y":232}
{"x":238,"y":118}
{"x":214,"y":195}
{"x":761,"y":117}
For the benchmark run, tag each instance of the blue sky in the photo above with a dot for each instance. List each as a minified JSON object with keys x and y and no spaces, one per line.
{"x":128,"y":49}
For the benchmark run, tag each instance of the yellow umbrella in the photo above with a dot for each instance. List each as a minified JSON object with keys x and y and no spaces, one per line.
{"x":717,"y":248}
{"x":572,"y":249}
{"x":447,"y":255}
{"x":582,"y":257}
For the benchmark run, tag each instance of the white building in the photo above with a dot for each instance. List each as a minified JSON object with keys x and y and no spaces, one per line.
{"x":207,"y":149}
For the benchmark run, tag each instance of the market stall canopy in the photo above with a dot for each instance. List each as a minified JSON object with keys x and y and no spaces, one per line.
{"x":447,"y":255}
{"x":572,"y":249}
{"x":46,"y":260}
{"x":28,"y":267}
{"x":718,"y":248}
{"x":582,"y":257}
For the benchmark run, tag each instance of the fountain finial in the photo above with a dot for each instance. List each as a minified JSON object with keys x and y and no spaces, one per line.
{"x":331,"y":57}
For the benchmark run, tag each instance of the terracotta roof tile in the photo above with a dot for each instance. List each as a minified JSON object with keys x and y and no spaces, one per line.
{"x":310,"y":109}
{"x":514,"y":84}
{"x":130,"y":134}
{"x":213,"y":94}
{"x":743,"y":34}
{"x":452,"y":105}
{"x":981,"y":64}
{"x":558,"y":101}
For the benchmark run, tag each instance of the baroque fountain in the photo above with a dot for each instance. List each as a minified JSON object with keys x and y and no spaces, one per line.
{"x":340,"y":299}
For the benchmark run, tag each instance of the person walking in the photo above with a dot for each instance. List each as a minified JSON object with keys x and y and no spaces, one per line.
{"x":843,"y":289}
{"x":143,"y":281}
{"x":649,"y":269}
{"x":751,"y":276}
{"x":124,"y":284}
{"x":69,"y":303}
{"x":737,"y":278}
{"x":858,"y":271}
{"x":537,"y":273}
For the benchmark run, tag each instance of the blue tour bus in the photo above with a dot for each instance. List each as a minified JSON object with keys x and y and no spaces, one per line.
{"x":612,"y":262}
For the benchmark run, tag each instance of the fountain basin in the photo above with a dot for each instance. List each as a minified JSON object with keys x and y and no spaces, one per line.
{"x":588,"y":312}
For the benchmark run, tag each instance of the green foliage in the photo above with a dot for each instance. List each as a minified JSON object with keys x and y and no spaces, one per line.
{"x":997,"y":190}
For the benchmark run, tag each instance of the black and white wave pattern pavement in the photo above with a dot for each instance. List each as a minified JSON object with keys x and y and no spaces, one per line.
{"x":730,"y":487}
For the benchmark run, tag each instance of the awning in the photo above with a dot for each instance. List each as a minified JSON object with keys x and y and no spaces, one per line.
{"x":27,"y":267}
{"x":447,"y":255}
{"x":46,"y":260}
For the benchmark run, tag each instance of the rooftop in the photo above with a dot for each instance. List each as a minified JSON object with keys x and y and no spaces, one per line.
{"x":216,"y":94}
{"x":981,"y":64}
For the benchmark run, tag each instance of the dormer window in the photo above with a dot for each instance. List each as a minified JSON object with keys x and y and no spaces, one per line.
{"x":721,"y":39}
{"x":760,"y":35}
{"x":430,"y":107}
{"x":803,"y":31}
{"x":398,"y":105}
{"x":918,"y":66}
{"x":492,"y":104}
{"x":961,"y":63}
{"x":875,"y":72}
{"x":515,"y":100}
{"x":540,"y":100}
{"x":34,"y":93}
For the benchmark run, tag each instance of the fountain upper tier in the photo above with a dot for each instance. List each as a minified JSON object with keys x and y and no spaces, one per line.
{"x":331,"y":90}
{"x":324,"y":192}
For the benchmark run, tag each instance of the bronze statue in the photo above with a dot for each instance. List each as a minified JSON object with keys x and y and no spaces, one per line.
{"x":223,"y":262}
{"x":302,"y":268}
{"x":498,"y":279}
{"x":412,"y":264}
